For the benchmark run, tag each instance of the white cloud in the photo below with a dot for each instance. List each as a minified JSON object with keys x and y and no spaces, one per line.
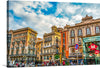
{"x":77,"y":17}
{"x":66,"y":8}
{"x":42,"y":23}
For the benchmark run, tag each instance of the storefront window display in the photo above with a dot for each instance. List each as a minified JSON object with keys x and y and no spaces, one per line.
{"x":91,"y":57}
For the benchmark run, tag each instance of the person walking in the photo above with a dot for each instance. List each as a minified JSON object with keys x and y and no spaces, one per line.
{"x":63,"y":63}
{"x":23,"y":65}
{"x":17,"y":64}
{"x":82,"y":62}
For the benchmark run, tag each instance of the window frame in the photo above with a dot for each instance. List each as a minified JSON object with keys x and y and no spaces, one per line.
{"x":73,"y":34}
{"x":95,"y":29}
{"x":71,"y":41}
{"x":78,"y":32}
{"x":89,"y":29}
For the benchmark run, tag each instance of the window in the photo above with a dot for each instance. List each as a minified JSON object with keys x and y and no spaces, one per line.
{"x":79,"y":32}
{"x":79,"y":41}
{"x":51,"y":56}
{"x":50,"y":43}
{"x":63,"y":40}
{"x":47,"y":57}
{"x":41,"y":44}
{"x":72,"y":33}
{"x":47,"y":51}
{"x":72,"y":41}
{"x":45,"y":45}
{"x":44,"y":51}
{"x":44,"y":57}
{"x":88,"y":31}
{"x":63,"y":35}
{"x":56,"y":39}
{"x":97,"y":29}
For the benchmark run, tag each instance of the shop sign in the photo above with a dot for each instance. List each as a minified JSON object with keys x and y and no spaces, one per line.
{"x":93,"y":46}
{"x":96,"y":51}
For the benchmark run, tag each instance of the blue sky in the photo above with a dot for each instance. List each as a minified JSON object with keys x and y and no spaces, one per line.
{"x":40,"y":16}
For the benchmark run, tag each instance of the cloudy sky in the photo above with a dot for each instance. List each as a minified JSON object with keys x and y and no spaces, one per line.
{"x":40,"y":16}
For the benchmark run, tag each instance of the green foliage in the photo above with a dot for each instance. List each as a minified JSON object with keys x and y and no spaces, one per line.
{"x":56,"y":56}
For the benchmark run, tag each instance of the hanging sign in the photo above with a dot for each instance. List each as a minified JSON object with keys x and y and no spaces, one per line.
{"x":96,"y":51}
{"x":93,"y":46}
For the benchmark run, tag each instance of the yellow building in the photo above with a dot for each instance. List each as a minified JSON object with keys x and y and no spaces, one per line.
{"x":22,"y":46}
{"x":51,"y":45}
{"x":39,"y":44}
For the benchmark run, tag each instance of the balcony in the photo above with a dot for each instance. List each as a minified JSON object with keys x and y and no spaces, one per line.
{"x":48,"y":53}
{"x":48,"y":40}
{"x":32,"y":48}
{"x":71,"y":45}
{"x":57,"y":52}
{"x":47,"y":46}
{"x":57,"y":46}
{"x":75,"y":55}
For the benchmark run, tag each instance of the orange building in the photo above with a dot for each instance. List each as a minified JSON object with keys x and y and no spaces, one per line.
{"x":64,"y":44}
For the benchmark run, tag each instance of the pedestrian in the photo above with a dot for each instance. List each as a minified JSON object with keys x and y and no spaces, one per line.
{"x":82,"y":62}
{"x":50,"y":63}
{"x":71,"y":63}
{"x":23,"y":65}
{"x":63,"y":63}
{"x":17,"y":64}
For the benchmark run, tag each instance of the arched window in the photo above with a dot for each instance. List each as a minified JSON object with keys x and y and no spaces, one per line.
{"x":72,"y":33}
{"x":80,"y":32}
{"x":97,"y":29}
{"x":88,"y":32}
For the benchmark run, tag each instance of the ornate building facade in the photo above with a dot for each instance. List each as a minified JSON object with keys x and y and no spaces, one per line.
{"x":78,"y":34}
{"x":22,"y":47}
{"x":51,"y":45}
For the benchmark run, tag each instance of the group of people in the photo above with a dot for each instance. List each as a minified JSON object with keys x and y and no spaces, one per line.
{"x":19,"y":64}
{"x":75,"y":63}
{"x":51,"y":63}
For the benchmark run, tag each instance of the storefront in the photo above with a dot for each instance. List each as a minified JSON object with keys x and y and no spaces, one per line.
{"x":90,"y":55}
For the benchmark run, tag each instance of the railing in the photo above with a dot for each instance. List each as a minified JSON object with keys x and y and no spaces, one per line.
{"x":48,"y":40}
{"x":71,"y":45}
{"x":48,"y":53}
{"x":75,"y":54}
{"x":57,"y":46}
{"x":47,"y":46}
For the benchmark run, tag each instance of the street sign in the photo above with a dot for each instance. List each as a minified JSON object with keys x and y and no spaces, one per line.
{"x":76,"y":46}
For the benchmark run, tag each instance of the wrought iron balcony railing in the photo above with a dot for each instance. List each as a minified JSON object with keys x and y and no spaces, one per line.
{"x":75,"y":54}
{"x":47,"y":46}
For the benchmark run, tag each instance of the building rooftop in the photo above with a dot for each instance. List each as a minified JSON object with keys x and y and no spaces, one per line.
{"x":22,"y":29}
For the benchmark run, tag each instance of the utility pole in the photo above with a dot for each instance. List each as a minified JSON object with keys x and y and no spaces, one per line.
{"x":77,"y":56}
